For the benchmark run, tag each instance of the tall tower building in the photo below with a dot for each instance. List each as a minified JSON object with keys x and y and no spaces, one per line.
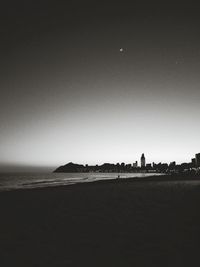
{"x":143,"y":161}
{"x":197,"y":158}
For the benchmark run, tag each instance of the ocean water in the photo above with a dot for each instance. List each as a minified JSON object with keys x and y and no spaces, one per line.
{"x":12,"y":181}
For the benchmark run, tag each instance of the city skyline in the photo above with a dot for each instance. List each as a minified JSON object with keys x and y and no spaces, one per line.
{"x":143,"y":162}
{"x":98,"y":82}
{"x":192,"y":167}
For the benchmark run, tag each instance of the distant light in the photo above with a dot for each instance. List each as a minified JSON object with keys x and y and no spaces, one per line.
{"x":121,"y":49}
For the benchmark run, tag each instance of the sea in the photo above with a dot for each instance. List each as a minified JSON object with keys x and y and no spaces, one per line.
{"x":13,"y":181}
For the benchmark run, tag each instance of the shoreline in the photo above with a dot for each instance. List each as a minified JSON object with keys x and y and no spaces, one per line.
{"x":153,"y":178}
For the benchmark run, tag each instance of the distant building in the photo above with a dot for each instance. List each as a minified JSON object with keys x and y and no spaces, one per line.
{"x":135,"y":164}
{"x":197,"y":158}
{"x":148,"y":165}
{"x":128,"y":166}
{"x":193,"y":161}
{"x":143,"y":161}
{"x":172,"y":164}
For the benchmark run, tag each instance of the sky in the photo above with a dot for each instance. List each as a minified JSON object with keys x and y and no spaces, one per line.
{"x":94,"y":82}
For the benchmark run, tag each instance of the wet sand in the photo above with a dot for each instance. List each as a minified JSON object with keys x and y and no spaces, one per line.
{"x":129,"y":222}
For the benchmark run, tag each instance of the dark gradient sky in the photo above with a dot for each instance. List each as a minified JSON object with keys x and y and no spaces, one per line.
{"x":69,"y":94}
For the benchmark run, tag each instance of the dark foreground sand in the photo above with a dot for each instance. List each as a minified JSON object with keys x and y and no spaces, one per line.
{"x":109,"y":223}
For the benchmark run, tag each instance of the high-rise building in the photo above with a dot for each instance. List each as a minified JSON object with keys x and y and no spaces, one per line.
{"x":193,"y":161}
{"x":135,"y":164}
{"x":197,"y":157}
{"x":143,"y":161}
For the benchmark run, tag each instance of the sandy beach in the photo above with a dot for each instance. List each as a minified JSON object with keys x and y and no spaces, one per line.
{"x":106,"y":223}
